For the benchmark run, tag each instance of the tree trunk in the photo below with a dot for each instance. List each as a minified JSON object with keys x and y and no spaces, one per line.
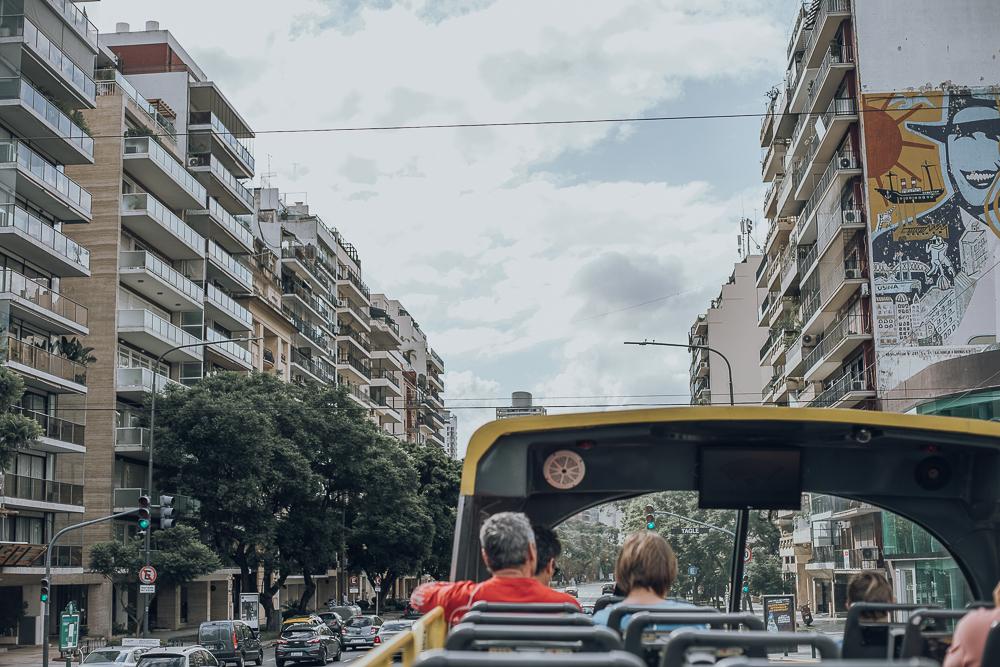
{"x":267,"y":597}
{"x":308,"y":589}
{"x":388,"y":581}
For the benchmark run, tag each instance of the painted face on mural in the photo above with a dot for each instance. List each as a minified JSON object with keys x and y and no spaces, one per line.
{"x":973,"y":152}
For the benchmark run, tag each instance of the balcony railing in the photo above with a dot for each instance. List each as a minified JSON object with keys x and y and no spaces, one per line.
{"x":16,"y":25}
{"x":837,"y":54}
{"x":308,"y":329}
{"x":314,"y":366}
{"x":838,"y":389}
{"x":359,"y":365}
{"x":305,"y":255}
{"x":109,"y":79}
{"x":811,"y":302}
{"x":77,"y":19}
{"x":230,"y":263}
{"x":357,"y":312}
{"x":829,"y":226}
{"x":806,"y":257}
{"x":132,"y":437}
{"x":228,"y":304}
{"x":357,"y":336}
{"x":842,"y":159}
{"x":345,"y":273}
{"x":825,"y":8}
{"x":12,"y":282}
{"x":208,"y":160}
{"x":289,"y":286}
{"x":385,"y":374}
{"x":437,"y":357}
{"x":42,"y":490}
{"x":852,"y":324}
{"x":14,"y":216}
{"x":147,"y":145}
{"x":803,"y":10}
{"x":143,"y":377}
{"x":157,"y":325}
{"x":30,"y":161}
{"x":12,"y":88}
{"x":55,"y":428}
{"x":209,"y":118}
{"x":232,"y":348}
{"x":143,"y":201}
{"x":32,"y":356}
{"x":140,"y":259}
{"x":230,"y":222}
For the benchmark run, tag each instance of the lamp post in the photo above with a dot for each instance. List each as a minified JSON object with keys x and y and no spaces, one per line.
{"x":742,"y":515}
{"x":152,"y":436}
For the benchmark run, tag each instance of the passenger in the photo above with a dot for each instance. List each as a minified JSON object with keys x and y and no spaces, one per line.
{"x":969,"y":640}
{"x":508,"y":549}
{"x":548,"y":547}
{"x":645,"y":571}
{"x":870,"y":587}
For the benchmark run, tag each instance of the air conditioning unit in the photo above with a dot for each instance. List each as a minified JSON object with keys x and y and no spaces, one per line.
{"x":852,"y":274}
{"x":194,"y":162}
{"x":852,"y":216}
{"x":869,"y":553}
{"x":796,"y":383}
{"x":808,"y":340}
{"x":846,"y":162}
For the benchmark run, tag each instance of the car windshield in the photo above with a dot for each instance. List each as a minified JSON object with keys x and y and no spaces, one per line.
{"x":296,"y":631}
{"x":359,"y":622}
{"x":162,"y":661}
{"x":345,"y":612}
{"x":106,"y":657}
{"x":214,"y":633}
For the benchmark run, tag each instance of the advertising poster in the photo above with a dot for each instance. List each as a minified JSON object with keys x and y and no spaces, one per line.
{"x":779,"y":613}
{"x":250,"y":609}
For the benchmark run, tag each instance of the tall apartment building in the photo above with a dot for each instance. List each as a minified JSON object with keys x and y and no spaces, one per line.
{"x":450,"y":433}
{"x":723,"y":328}
{"x":48,"y":49}
{"x":880,"y":147}
{"x":521,"y":405}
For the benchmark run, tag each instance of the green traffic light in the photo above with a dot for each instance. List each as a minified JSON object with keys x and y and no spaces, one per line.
{"x":143,"y":524}
{"x":45,"y":597}
{"x":651,"y":525}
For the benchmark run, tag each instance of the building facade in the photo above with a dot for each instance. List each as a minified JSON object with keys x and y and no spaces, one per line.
{"x":451,"y":433}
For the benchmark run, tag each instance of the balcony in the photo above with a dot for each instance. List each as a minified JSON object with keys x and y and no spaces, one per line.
{"x":132,"y":442}
{"x":838,"y":342}
{"x":350,"y":278}
{"x":829,"y":15}
{"x":434,"y":361}
{"x":34,"y":240}
{"x":43,"y":369}
{"x":220,"y":183}
{"x":163,"y":175}
{"x":799,"y":31}
{"x":358,"y":338}
{"x":146,"y":217}
{"x":228,"y":270}
{"x":844,"y":392}
{"x":237,"y":356}
{"x":293,"y":291}
{"x":385,"y":331}
{"x":387,"y":379}
{"x":112,"y":82}
{"x":150,"y":332}
{"x":135,"y":383}
{"x":58,"y":435}
{"x":838,"y":59}
{"x":31,"y":114}
{"x":362,"y":317}
{"x":435,"y":382}
{"x":301,"y":259}
{"x":77,"y":20}
{"x":159,"y":282}
{"x":41,"y":306}
{"x":45,"y":63}
{"x":833,"y":125}
{"x":234,"y":154}
{"x":42,"y":183}
{"x":838,"y":281}
{"x":773,"y":159}
{"x":771,"y":196}
{"x":311,"y":335}
{"x":314,"y":369}
{"x":358,"y":367}
{"x":222,"y":227}
{"x":223,"y":309}
{"x":41,"y":494}
{"x":844,"y":166}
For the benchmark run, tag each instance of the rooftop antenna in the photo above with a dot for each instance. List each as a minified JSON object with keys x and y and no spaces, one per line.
{"x":265,"y":178}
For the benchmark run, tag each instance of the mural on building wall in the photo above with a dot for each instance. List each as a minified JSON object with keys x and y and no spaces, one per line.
{"x":932,"y":166}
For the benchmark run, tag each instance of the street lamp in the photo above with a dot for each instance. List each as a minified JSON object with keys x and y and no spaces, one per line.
{"x":152,"y":437}
{"x":742,"y":515}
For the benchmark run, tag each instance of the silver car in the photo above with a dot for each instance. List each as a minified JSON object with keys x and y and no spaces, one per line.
{"x":390,"y":629}
{"x":115,"y":655}
{"x":361,"y":631}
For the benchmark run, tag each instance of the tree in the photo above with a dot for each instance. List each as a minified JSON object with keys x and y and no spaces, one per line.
{"x":439,"y":478}
{"x":177,"y":553}
{"x":16,"y":430}
{"x":589,"y":550}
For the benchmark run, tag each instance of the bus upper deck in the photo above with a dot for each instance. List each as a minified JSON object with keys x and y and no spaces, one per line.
{"x":941,"y":473}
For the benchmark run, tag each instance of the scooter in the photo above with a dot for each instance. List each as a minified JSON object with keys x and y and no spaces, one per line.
{"x":807,"y":616}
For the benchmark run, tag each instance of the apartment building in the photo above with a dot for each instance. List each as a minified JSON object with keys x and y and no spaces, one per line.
{"x":450,"y":433}
{"x":521,"y":405}
{"x":723,"y":328}
{"x":388,"y":364}
{"x":49,"y":49}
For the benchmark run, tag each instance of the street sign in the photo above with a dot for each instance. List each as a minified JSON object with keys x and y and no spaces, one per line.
{"x":147,"y":574}
{"x":693,"y":570}
{"x":148,"y":589}
{"x":69,"y":632}
{"x":378,"y":589}
{"x":747,"y":555}
{"x":353,"y":586}
{"x":692,"y":530}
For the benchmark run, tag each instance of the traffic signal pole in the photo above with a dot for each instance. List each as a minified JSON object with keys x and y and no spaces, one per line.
{"x":48,"y":574}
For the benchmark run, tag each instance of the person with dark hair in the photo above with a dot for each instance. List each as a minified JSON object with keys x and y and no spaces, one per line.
{"x":510,"y":554}
{"x":870,"y":587}
{"x":548,"y":547}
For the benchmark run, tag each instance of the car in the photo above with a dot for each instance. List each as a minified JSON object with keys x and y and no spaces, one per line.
{"x":346,"y":611}
{"x":333,"y":620}
{"x":307,"y":619}
{"x":360,"y":631}
{"x":232,"y":642}
{"x":115,"y":655}
{"x":305,"y":642}
{"x":178,"y":656}
{"x":573,"y":591}
{"x":390,"y":629}
{"x":608,"y":589}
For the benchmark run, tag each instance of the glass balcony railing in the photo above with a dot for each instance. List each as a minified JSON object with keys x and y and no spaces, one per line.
{"x":54,"y":427}
{"x":133,"y":437}
{"x":12,"y":282}
{"x":16,"y":25}
{"x":143,"y":377}
{"x":12,"y":88}
{"x":77,"y":19}
{"x":148,"y":146}
{"x":45,"y":171}
{"x":226,"y":303}
{"x":196,"y":160}
{"x":151,"y":206}
{"x":42,"y":490}
{"x":209,"y":118}
{"x":141,"y":259}
{"x":109,"y":79}
{"x":161,"y":328}
{"x":40,"y":359}
{"x":230,"y":347}
{"x":231,"y":222}
{"x":230,"y":264}
{"x":16,"y":217}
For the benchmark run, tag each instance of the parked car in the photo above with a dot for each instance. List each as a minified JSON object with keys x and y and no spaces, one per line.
{"x":608,"y":589}
{"x":333,"y":620}
{"x":115,"y":655}
{"x":346,"y":611}
{"x":360,"y":631}
{"x":307,"y":619}
{"x":231,"y":642}
{"x":179,"y":656}
{"x":307,"y":643}
{"x":573,"y":591}
{"x":390,"y":629}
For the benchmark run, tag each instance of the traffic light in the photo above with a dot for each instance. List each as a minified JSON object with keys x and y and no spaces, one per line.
{"x":43,"y":595}
{"x":168,"y":513}
{"x":143,"y":513}
{"x":650,"y":518}
{"x":746,"y":583}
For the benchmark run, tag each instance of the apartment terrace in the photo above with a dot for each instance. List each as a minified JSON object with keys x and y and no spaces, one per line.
{"x":31,"y":114}
{"x":148,"y":218}
{"x":58,"y":435}
{"x":42,"y":306}
{"x":42,"y":183}
{"x":41,"y":368}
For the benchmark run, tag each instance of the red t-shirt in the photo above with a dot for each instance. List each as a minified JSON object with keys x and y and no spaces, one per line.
{"x":456,"y":597}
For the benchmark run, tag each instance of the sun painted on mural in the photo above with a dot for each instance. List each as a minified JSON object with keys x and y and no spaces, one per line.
{"x":933,"y":163}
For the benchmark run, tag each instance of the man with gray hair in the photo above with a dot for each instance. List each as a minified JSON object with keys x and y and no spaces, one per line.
{"x":508,"y":549}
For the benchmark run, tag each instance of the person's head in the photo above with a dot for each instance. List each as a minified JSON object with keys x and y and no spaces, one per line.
{"x":508,"y":543}
{"x":548,"y":548}
{"x":646,"y":561}
{"x":869,"y":587}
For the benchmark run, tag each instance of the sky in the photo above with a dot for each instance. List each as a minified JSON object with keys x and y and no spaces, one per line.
{"x":527,"y":254}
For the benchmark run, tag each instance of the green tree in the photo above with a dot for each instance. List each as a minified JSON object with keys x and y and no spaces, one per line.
{"x":177,"y":553}
{"x":16,"y":430}
{"x":439,"y":479}
{"x":589,"y":550}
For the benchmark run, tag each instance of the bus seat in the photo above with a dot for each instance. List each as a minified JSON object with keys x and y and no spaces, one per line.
{"x":439,"y":658}
{"x":605,"y":600}
{"x":503,"y":618}
{"x":525,"y":608}
{"x":743,"y":661}
{"x":991,"y":650}
{"x":926,"y":633}
{"x":754,"y":643}
{"x":615,"y":617}
{"x":645,"y":622}
{"x":870,"y":639}
{"x":478,"y":637}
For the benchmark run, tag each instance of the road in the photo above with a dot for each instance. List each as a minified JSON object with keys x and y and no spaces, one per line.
{"x":588,"y":593}
{"x":346,"y":656}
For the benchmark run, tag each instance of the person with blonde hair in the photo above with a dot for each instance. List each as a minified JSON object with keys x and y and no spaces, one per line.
{"x":870,"y":587}
{"x":969,"y":640}
{"x":645,"y":571}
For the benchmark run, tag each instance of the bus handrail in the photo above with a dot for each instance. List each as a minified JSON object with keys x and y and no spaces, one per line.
{"x":428,"y":632}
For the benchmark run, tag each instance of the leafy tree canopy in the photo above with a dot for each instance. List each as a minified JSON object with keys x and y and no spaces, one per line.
{"x":16,"y":430}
